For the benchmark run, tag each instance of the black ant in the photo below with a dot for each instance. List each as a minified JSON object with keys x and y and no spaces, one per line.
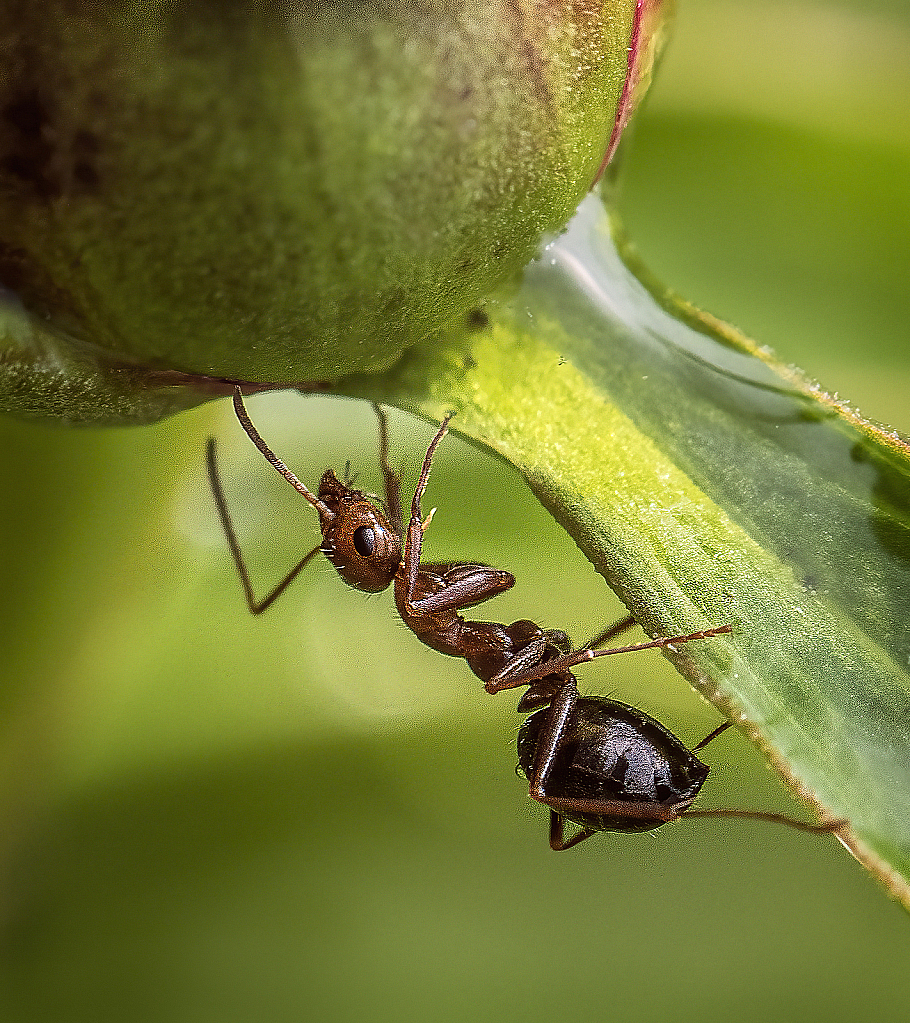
{"x":598,"y":763}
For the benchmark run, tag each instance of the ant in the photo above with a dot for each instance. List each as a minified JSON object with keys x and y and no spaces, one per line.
{"x":598,"y":763}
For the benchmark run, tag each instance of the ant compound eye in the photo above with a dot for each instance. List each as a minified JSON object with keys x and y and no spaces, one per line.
{"x":364,"y":541}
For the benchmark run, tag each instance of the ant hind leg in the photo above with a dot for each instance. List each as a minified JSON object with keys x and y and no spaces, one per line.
{"x":823,"y":827}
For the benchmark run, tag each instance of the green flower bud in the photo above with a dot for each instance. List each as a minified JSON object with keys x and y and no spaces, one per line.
{"x":300,"y":190}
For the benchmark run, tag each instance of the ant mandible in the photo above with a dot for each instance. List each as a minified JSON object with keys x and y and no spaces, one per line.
{"x":595,"y":762}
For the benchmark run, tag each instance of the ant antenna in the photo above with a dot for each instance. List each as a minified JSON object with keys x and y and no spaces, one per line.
{"x":325,"y":512}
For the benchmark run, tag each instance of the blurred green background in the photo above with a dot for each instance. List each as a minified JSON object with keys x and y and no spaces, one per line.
{"x":309,"y":815}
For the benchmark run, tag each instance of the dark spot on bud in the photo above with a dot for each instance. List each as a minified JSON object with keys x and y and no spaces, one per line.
{"x":26,"y":150}
{"x":477,"y":319}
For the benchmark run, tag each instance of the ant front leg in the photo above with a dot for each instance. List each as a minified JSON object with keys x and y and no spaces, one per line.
{"x":467,"y":585}
{"x":392,"y":479}
{"x":256,"y":606}
{"x":413,"y":540}
{"x":428,"y":596}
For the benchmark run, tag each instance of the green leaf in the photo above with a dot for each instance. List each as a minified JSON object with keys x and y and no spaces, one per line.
{"x":709,"y":484}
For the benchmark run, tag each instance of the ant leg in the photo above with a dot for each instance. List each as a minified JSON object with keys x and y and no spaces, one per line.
{"x":256,"y":606}
{"x":392,"y":480}
{"x":467,"y":584}
{"x":525,"y":658}
{"x":656,"y":811}
{"x":413,"y":539}
{"x":567,"y":661}
{"x":612,"y":630}
{"x":558,"y":841}
{"x":626,"y":809}
{"x":652,"y":811}
{"x":824,"y":827}
{"x":712,"y":735}
{"x":561,"y":707}
{"x":528,"y":656}
{"x":538,"y":694}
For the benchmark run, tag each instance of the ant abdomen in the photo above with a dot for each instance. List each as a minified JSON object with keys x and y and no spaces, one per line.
{"x":612,"y":753}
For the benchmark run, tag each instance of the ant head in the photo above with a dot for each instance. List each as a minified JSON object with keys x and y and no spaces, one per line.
{"x":357,"y":539}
